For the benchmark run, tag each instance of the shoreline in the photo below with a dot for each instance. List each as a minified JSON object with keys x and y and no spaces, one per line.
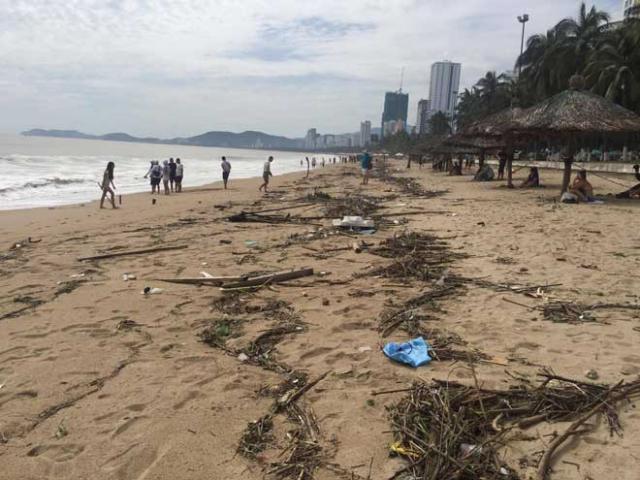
{"x":99,"y":380}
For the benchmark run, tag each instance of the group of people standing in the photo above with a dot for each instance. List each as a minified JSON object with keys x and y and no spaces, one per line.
{"x":170,"y":173}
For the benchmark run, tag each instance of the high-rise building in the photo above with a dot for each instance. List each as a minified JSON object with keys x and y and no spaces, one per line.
{"x":310,"y":141}
{"x":365,"y":133}
{"x":443,"y":90}
{"x":396,"y":105}
{"x":631,"y":8}
{"x":423,"y":116}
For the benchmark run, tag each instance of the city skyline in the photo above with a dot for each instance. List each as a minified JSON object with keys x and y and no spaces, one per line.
{"x":185,"y":66}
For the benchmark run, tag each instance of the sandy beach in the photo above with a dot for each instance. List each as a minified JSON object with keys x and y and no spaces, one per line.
{"x":99,"y":381}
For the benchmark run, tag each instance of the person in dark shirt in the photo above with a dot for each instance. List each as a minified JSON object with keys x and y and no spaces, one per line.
{"x":172,"y":173}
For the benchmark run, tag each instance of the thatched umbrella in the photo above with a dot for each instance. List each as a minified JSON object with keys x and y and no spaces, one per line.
{"x":497,"y":129}
{"x":481,"y":145}
{"x":572,"y":114}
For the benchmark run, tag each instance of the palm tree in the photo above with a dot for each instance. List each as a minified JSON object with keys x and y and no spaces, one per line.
{"x":439,"y":124}
{"x":613,"y":70}
{"x":581,"y":35}
{"x":550,"y":60}
{"x":541,"y":68}
{"x":492,"y":89}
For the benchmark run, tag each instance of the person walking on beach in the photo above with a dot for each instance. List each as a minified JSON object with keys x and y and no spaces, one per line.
{"x":226,"y":170}
{"x":307,"y":166}
{"x":313,"y":162}
{"x":107,"y":185}
{"x":365,"y":165}
{"x":155,"y":174}
{"x":166,"y":173}
{"x":266,"y":173}
{"x":172,"y":173}
{"x":179,"y":175}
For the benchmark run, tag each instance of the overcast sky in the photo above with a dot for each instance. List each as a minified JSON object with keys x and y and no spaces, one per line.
{"x":181,"y":67}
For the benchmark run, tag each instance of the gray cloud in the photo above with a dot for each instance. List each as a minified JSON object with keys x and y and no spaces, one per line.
{"x":178,"y":67}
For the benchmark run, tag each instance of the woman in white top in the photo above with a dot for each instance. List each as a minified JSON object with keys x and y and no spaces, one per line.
{"x":107,"y":185}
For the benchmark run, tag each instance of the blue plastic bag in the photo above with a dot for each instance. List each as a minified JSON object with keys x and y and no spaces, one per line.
{"x":414,"y":352}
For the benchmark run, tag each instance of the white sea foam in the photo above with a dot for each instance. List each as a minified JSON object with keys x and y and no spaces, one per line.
{"x":38,"y":171}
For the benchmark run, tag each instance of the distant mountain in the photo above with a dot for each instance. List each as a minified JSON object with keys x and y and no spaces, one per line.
{"x":249,"y":139}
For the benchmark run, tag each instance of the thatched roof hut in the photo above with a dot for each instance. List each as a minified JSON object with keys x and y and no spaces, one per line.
{"x":572,"y":114}
{"x":495,"y":125}
{"x":577,"y":112}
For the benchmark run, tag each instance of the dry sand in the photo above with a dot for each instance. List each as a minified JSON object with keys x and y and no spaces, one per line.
{"x":154,"y":402}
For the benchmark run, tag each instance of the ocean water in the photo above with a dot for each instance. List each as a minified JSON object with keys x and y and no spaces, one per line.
{"x":43,"y":172}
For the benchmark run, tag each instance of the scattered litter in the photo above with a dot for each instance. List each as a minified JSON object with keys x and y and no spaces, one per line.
{"x":364,"y":349}
{"x":414,"y":352}
{"x":251,"y":243}
{"x":128,"y":276}
{"x":151,"y":290}
{"x":467,"y":449}
{"x":353,"y":222}
{"x":2,"y":385}
{"x":592,"y":375}
{"x":77,"y":275}
{"x":61,"y":431}
{"x":243,"y":357}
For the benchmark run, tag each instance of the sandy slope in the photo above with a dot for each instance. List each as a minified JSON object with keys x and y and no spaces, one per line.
{"x":155,"y":402}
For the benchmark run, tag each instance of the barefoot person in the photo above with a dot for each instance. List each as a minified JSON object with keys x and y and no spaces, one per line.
{"x":365,"y":165}
{"x":226,"y":170}
{"x":266,"y":174}
{"x":179,"y":175}
{"x":172,"y":174}
{"x":533,"y":180}
{"x":166,"y":175}
{"x":581,"y":187}
{"x":107,"y":185}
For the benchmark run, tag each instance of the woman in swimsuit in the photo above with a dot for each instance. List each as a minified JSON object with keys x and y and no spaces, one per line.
{"x":107,"y":185}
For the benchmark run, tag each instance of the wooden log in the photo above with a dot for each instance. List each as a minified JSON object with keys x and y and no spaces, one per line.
{"x":132,"y":252}
{"x":270,"y":278}
{"x":215,"y":281}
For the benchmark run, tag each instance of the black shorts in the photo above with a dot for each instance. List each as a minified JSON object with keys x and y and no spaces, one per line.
{"x":265,"y":177}
{"x":225,"y":175}
{"x":172,"y":177}
{"x":155,"y":182}
{"x":178,"y":179}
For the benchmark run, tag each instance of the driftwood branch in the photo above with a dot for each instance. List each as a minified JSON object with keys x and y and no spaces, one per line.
{"x":545,"y":462}
{"x":132,"y":252}
{"x":270,"y":278}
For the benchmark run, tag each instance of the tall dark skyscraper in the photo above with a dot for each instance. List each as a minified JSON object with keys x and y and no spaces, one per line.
{"x":396,"y":105}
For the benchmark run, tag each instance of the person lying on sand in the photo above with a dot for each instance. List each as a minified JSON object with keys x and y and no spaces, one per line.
{"x":633,"y":192}
{"x":533,"y":180}
{"x":581,"y":187}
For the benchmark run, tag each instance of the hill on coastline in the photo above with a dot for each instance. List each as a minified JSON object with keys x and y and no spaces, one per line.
{"x":248,"y":139}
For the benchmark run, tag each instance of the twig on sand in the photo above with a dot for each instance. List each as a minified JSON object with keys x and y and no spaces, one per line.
{"x":132,"y":252}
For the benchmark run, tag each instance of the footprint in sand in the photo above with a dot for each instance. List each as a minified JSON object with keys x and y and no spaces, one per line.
{"x":140,"y":424}
{"x":315,"y":352}
{"x":192,"y":395}
{"x":526,"y":345}
{"x":57,"y":453}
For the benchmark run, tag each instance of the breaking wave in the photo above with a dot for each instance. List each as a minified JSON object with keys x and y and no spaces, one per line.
{"x":55,"y":181}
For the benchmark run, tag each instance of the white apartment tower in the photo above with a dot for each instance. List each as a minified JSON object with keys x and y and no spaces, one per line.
{"x":365,"y":133}
{"x":445,"y":84}
{"x":631,"y":8}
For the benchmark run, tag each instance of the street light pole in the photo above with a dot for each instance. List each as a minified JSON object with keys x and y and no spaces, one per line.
{"x":523,"y":19}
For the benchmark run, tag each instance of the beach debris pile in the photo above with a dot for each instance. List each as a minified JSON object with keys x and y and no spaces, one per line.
{"x":416,"y":256}
{"x":409,"y":186}
{"x":571,"y":312}
{"x":446,"y":429}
